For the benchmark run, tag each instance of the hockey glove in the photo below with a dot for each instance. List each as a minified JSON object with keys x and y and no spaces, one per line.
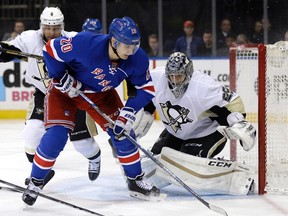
{"x":244,"y":132}
{"x":234,"y":118}
{"x":124,"y":121}
{"x":143,"y":123}
{"x":68,"y":85}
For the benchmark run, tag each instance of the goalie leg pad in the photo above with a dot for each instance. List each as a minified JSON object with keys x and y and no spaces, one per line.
{"x":207,"y":175}
{"x":149,"y":168}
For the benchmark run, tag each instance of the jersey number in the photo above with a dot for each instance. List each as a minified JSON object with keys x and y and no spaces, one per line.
{"x":66,"y":45}
{"x":227,"y":94}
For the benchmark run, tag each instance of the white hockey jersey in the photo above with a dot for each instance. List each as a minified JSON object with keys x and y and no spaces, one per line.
{"x":184,"y":117}
{"x":32,"y":42}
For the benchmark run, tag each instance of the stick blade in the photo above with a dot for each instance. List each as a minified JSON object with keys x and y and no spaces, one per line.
{"x":218,"y":210}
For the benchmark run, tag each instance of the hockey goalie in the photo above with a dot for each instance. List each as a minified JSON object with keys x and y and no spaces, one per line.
{"x":199,"y":116}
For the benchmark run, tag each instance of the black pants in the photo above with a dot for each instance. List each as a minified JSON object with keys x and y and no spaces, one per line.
{"x":208,"y":146}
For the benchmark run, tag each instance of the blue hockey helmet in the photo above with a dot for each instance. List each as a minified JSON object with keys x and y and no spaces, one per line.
{"x":125,"y":31}
{"x":93,"y":25}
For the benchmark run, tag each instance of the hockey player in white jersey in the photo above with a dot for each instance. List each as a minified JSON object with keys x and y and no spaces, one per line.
{"x":32,"y":41}
{"x":199,"y":116}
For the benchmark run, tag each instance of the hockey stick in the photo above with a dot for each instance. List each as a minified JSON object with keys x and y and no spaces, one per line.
{"x":17,"y":188}
{"x":148,"y":154}
{"x":15,"y":52}
{"x":11,"y":189}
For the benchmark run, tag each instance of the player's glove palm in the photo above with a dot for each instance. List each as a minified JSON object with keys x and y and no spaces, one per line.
{"x":69,"y":85}
{"x":124,"y":121}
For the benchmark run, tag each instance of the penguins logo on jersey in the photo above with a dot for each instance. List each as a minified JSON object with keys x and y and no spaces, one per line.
{"x":175,"y":115}
{"x":39,"y":111}
{"x":43,"y":73}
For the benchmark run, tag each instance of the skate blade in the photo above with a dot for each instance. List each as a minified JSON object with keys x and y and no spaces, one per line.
{"x":152,"y":198}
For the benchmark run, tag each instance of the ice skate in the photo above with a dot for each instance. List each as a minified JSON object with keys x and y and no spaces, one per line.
{"x":31,"y":193}
{"x":49,"y":176}
{"x":140,"y":188}
{"x":94,"y":169}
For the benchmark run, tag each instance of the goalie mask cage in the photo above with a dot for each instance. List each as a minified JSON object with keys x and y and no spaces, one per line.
{"x":259,"y":74}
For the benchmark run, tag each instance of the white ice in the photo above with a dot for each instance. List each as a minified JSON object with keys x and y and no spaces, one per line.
{"x":108,"y":195}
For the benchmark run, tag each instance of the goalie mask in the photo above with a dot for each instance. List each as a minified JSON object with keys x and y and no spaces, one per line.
{"x":178,"y":71}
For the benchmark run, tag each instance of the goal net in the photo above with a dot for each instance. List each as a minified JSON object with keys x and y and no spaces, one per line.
{"x":259,"y":74}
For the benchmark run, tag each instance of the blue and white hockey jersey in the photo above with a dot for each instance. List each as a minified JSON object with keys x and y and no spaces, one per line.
{"x":86,"y":58}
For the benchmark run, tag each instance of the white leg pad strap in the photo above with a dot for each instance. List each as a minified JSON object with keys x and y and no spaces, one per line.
{"x":32,"y":134}
{"x":87,"y":147}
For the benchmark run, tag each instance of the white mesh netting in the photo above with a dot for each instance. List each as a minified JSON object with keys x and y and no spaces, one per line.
{"x":276,"y":107}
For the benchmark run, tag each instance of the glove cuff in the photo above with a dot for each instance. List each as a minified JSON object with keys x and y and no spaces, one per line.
{"x":234,"y":118}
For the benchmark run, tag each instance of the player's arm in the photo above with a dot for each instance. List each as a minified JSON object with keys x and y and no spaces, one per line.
{"x":58,"y":70}
{"x":227,"y":108}
{"x":144,"y":117}
{"x":126,"y":118}
{"x":232,"y":117}
{"x":142,"y":82}
{"x":144,"y":94}
{"x":56,"y":65}
{"x":221,"y":113}
{"x":6,"y":57}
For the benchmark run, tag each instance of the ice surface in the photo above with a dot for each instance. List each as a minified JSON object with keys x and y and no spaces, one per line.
{"x":108,"y":194}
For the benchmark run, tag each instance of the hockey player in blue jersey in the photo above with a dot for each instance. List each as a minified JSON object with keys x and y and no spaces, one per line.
{"x":32,"y":41}
{"x":95,"y":64}
{"x":92,"y":25}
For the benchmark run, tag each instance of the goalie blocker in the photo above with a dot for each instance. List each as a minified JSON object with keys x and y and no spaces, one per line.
{"x":203,"y":174}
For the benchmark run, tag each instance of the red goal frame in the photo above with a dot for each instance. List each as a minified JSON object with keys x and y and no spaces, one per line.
{"x":261,"y":108}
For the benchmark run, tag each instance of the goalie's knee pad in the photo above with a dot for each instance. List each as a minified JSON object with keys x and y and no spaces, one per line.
{"x":87,"y":147}
{"x":32,"y":134}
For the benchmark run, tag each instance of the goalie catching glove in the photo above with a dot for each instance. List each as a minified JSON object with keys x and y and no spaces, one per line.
{"x":124,"y":121}
{"x":69,"y":85}
{"x":239,"y":130}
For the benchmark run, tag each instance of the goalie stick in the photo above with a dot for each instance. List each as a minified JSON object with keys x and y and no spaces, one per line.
{"x":20,"y":189}
{"x":148,"y":154}
{"x":15,"y":52}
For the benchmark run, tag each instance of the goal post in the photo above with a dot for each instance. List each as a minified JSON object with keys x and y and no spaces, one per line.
{"x":259,"y":74}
